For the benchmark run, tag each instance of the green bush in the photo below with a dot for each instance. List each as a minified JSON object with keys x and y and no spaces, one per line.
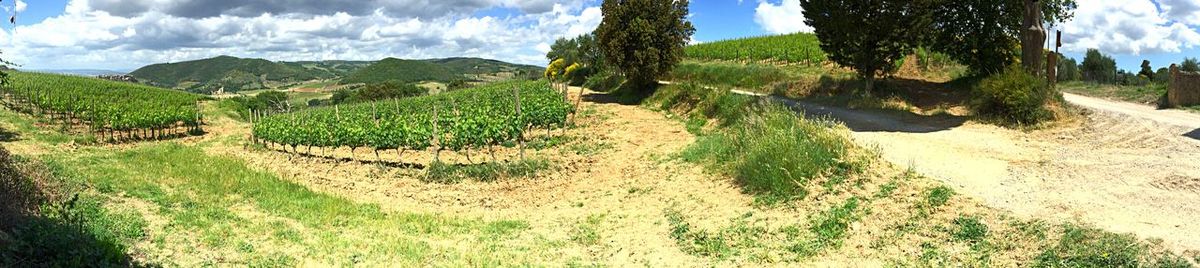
{"x":1013,"y":97}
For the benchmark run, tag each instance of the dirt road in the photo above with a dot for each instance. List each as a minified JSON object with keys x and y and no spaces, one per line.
{"x":1124,"y":168}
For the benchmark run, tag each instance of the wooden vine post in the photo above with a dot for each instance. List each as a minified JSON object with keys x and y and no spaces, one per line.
{"x":437,"y":143}
{"x":521,"y":134}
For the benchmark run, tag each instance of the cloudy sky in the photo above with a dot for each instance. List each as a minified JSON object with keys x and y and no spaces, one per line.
{"x":126,"y":34}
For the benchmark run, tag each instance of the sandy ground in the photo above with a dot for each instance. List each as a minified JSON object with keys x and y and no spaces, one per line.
{"x":1124,"y":168}
{"x":626,"y":183}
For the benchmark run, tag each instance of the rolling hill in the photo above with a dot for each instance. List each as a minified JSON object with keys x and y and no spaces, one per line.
{"x":230,"y":73}
{"x":401,"y":70}
{"x":238,"y":74}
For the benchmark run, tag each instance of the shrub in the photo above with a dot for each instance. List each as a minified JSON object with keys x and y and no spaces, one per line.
{"x":1013,"y":97}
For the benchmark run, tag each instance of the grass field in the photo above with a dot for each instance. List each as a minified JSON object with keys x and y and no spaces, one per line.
{"x":1149,"y":94}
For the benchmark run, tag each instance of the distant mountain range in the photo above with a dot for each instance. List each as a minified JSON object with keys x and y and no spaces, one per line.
{"x":82,"y":72}
{"x":236,"y":74}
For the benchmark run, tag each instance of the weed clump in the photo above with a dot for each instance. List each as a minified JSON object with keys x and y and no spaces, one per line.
{"x":938,"y":196}
{"x":1014,"y":97}
{"x":1088,"y":247}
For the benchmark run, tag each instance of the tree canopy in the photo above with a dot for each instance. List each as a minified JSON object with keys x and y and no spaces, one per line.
{"x":868,"y":35}
{"x":1098,"y":67}
{"x":644,"y":39}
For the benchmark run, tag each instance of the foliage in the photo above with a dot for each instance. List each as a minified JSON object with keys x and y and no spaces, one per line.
{"x":791,"y":48}
{"x":564,"y":49}
{"x":1162,"y":76}
{"x":867,"y":35}
{"x":232,"y":74}
{"x":750,"y":76}
{"x":1097,"y":67}
{"x":103,"y":103}
{"x":388,"y":90}
{"x":605,"y":81}
{"x":405,"y":71}
{"x":471,"y":118}
{"x":1068,"y":69}
{"x":983,"y":34}
{"x":460,"y":66}
{"x":555,"y":71}
{"x":644,"y":39}
{"x":1146,"y":71}
{"x":1190,"y":65}
{"x":1013,"y":97}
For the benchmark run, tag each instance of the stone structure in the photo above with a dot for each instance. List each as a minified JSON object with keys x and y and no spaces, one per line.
{"x":1183,"y":88}
{"x":119,"y":78}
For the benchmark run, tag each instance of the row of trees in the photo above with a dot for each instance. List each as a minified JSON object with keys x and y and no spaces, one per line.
{"x":872,"y":35}
{"x":1100,"y":68}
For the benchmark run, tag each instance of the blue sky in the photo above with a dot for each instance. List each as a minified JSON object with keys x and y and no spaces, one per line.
{"x":126,"y":34}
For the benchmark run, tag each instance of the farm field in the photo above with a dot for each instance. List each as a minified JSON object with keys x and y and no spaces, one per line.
{"x":613,"y":192}
{"x":659,"y":134}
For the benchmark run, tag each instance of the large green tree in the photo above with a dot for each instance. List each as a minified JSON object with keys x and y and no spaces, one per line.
{"x":1190,"y":65}
{"x":1097,"y":67}
{"x":984,"y":34}
{"x":1068,"y":69}
{"x":644,"y":39}
{"x":1147,"y":70}
{"x":867,"y":35}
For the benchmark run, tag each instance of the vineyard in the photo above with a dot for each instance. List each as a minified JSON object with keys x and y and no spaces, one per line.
{"x":789,"y":48}
{"x":461,"y":120}
{"x":113,"y":110}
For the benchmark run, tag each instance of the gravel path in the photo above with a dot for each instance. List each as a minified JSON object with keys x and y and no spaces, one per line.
{"x":1125,"y":167}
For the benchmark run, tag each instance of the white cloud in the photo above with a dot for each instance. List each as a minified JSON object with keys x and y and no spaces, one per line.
{"x":1185,"y":11}
{"x":19,"y":6}
{"x":86,"y":37}
{"x":787,"y":17}
{"x":1130,"y":27}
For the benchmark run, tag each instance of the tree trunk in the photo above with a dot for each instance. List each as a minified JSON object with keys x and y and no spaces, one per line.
{"x":1033,"y":37}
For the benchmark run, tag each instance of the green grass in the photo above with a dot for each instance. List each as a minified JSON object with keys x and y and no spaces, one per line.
{"x":938,"y":196}
{"x":209,"y":199}
{"x":829,"y":228}
{"x":1148,"y":94}
{"x":1088,"y":247}
{"x":970,"y":229}
{"x":723,"y":244}
{"x":60,"y":223}
{"x":586,"y":232}
{"x":775,"y":153}
{"x":491,"y":171}
{"x":17,"y":126}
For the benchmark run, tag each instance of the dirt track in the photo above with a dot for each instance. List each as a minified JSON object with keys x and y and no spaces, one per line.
{"x":1115,"y":169}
